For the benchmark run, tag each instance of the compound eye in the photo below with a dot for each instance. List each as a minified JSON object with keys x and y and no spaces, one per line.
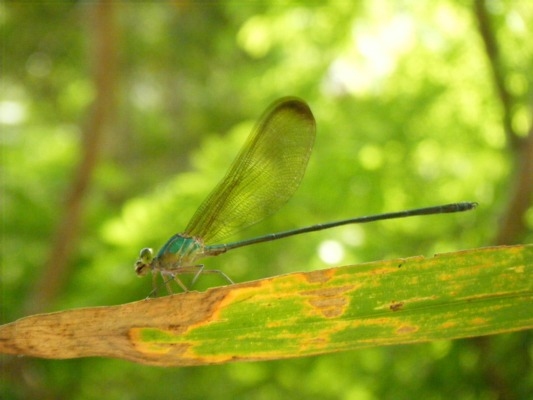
{"x":146,"y":255}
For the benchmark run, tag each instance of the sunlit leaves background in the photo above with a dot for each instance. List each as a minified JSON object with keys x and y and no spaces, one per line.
{"x":407,"y":117}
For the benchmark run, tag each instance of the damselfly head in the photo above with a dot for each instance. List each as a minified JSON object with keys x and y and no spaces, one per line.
{"x":144,"y":262}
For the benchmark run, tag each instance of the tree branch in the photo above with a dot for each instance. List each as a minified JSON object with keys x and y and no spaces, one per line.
{"x":55,"y":270}
{"x":492,"y":51}
{"x":512,"y":224}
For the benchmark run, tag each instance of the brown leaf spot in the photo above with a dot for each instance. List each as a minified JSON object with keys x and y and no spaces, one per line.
{"x":406,"y":329}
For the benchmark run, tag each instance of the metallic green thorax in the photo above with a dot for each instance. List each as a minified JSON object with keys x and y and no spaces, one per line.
{"x":180,"y":249}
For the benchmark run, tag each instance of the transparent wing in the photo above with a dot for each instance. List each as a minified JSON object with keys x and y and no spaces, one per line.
{"x":265,"y":174}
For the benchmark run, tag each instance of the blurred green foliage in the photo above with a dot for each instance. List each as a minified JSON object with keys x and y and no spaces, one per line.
{"x":406,"y":116}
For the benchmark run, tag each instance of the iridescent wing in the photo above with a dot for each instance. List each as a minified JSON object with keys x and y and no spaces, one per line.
{"x":265,"y":174}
